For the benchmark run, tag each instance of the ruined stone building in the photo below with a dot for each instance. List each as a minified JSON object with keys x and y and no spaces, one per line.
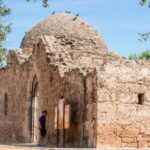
{"x":107,"y":97}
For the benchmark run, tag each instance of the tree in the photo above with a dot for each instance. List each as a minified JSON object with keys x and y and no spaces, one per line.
{"x":4,"y":30}
{"x":44,"y":2}
{"x":133,"y":57}
{"x":145,"y":3}
{"x":144,"y":37}
{"x":144,"y":55}
{"x":3,"y":61}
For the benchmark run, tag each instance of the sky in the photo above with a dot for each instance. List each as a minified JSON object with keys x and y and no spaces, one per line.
{"x":118,"y":21}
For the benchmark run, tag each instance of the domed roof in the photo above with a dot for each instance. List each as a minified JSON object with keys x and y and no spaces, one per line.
{"x":70,"y":29}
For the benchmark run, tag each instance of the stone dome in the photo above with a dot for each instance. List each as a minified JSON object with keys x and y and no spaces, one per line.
{"x":70,"y":30}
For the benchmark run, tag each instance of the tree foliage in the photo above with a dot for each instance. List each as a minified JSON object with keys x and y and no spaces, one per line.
{"x":144,"y":37}
{"x":145,"y":2}
{"x":4,"y":30}
{"x":143,"y":55}
{"x":44,"y":2}
{"x":2,"y":57}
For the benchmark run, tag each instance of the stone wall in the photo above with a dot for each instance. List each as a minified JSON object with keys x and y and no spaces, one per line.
{"x":13,"y":99}
{"x":122,"y":121}
{"x":109,"y":103}
{"x":78,"y":93}
{"x":108,"y":96}
{"x":35,"y":85}
{"x":91,"y":108}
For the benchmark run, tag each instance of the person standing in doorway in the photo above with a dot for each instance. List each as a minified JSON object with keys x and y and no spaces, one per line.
{"x":42,"y":124}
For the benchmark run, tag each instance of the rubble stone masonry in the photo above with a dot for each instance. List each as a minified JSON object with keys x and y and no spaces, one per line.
{"x":107,"y":95}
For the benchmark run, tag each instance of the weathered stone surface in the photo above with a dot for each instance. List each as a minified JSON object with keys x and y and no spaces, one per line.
{"x":120,"y":81}
{"x":75,"y":35}
{"x":108,"y":95}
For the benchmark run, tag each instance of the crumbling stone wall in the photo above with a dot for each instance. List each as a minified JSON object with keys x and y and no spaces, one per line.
{"x":91,"y":108}
{"x":78,"y":93}
{"x":122,"y":121}
{"x":13,"y":91}
{"x":108,"y":96}
{"x":52,"y":84}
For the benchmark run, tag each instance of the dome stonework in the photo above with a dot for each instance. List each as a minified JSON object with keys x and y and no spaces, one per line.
{"x":69,"y":30}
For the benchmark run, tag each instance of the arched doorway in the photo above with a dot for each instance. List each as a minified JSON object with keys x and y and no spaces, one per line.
{"x":34,"y":112}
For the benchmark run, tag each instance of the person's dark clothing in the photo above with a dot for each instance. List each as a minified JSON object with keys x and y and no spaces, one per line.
{"x":42,"y":132}
{"x":42,"y":121}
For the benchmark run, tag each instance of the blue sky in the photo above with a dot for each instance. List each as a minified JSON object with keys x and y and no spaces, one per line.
{"x":118,"y":21}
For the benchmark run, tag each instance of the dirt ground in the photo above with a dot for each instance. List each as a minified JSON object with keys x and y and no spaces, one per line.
{"x":8,"y":147}
{"x":31,"y":147}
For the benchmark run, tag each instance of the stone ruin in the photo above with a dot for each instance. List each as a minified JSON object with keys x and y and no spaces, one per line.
{"x":107,"y":97}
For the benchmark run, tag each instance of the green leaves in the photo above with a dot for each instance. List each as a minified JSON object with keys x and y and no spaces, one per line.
{"x":133,"y":57}
{"x":2,"y":57}
{"x":145,"y":3}
{"x":144,"y":55}
{"x":4,"y":30}
{"x":44,"y":2}
{"x":4,"y":11}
